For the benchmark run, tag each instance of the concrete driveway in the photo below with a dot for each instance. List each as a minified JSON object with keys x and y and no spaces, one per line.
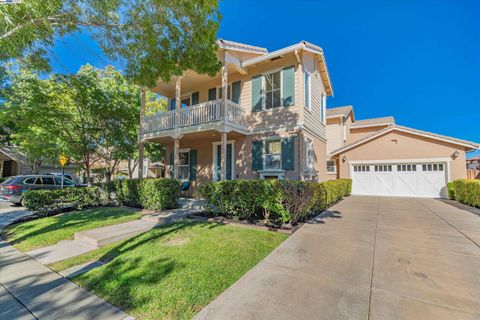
{"x":367,"y":258}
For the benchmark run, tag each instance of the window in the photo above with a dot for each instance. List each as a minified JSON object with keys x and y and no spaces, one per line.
{"x":309,"y":154}
{"x":307,"y":93}
{"x":331,"y":166}
{"x":383,"y":168}
{"x":323,"y":102}
{"x":361,"y":168}
{"x":48,"y":180}
{"x":406,"y":167}
{"x":272,"y":83}
{"x":273,"y":154}
{"x":183,"y":165}
{"x":432,"y":167}
{"x":29,"y":181}
{"x":229,"y":92}
{"x":66,"y":181}
{"x":186,"y":102}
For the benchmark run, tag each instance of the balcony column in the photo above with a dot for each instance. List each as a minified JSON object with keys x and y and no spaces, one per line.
{"x":223,"y":160}
{"x":224,"y":89}
{"x":140,"y":134}
{"x":176,"y":148}
{"x":178,"y":99}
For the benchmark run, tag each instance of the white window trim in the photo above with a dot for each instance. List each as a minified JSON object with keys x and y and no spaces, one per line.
{"x":220,"y":87}
{"x":264,"y":153}
{"x":264,"y":95}
{"x":309,"y":107}
{"x":182,"y":151}
{"x":335,"y":165}
{"x":214,"y":162}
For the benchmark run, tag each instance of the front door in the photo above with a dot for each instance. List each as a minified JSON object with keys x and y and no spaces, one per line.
{"x":218,"y":162}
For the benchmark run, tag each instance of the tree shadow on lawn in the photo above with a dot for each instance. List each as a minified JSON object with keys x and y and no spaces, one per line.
{"x":121,"y":276}
{"x":70,"y":219}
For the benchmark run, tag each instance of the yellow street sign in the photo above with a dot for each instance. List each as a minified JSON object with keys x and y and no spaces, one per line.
{"x":64,"y":160}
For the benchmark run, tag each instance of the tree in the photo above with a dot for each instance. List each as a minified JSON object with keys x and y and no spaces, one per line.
{"x":153,"y":38}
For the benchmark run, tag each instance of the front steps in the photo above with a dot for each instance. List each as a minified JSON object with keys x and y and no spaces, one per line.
{"x":86,"y":241}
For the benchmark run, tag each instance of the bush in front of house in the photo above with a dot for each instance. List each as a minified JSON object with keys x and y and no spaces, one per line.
{"x":467,"y":191}
{"x":451,"y":190}
{"x":152,"y":194}
{"x":287,"y":201}
{"x":44,"y":201}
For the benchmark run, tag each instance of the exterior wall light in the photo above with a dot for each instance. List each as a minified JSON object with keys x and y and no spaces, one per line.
{"x":455,"y":154}
{"x":344,"y":158}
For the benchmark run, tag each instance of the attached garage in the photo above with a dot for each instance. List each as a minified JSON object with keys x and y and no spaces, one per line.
{"x":405,"y":162}
{"x":406,"y":178}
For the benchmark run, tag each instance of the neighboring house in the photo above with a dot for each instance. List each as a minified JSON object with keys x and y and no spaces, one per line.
{"x":13,"y":163}
{"x":262,"y":116}
{"x":383,"y":158}
{"x":473,"y":163}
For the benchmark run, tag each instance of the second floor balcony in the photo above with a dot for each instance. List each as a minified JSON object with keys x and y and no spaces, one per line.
{"x":212,"y":115}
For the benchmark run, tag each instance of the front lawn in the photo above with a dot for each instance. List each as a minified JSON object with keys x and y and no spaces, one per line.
{"x":47,"y":231}
{"x":174,"y":271}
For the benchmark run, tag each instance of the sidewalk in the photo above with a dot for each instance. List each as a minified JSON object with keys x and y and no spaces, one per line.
{"x":29,"y":290}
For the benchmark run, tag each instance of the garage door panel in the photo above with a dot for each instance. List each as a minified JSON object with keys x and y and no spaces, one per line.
{"x":402,"y":179}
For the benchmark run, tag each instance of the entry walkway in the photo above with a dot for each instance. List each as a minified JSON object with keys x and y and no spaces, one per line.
{"x":29,"y":290}
{"x":366,"y":258}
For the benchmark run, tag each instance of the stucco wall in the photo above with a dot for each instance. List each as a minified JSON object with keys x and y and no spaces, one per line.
{"x":357,"y":134}
{"x":334,"y":134}
{"x":399,"y":145}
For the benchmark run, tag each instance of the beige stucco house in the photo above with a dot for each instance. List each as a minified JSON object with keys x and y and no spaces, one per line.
{"x":383,"y":158}
{"x":271,"y":123}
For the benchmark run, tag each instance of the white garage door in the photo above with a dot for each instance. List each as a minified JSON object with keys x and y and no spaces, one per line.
{"x":402,"y":179}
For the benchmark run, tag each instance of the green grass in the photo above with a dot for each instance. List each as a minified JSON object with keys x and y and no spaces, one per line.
{"x":50,"y":230}
{"x":174,"y":271}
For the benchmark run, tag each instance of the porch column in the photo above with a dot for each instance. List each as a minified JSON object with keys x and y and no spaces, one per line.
{"x":176,"y":148}
{"x":140,"y":134}
{"x":224,"y":89}
{"x":223,"y":150}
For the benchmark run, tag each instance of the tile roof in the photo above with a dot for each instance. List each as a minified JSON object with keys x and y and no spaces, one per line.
{"x":432,"y":135}
{"x":227,"y":44}
{"x":339,"y":111}
{"x":373,"y":122}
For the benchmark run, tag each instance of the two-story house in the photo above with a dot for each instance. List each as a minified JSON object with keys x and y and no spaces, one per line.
{"x":383,"y":158}
{"x":262,"y":116}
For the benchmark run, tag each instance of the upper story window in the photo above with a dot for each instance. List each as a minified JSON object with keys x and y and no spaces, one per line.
{"x":273,"y":154}
{"x":273,"y":94}
{"x":308,"y":90}
{"x":323,"y":100}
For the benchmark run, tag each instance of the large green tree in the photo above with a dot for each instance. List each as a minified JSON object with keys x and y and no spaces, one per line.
{"x":152,"y":38}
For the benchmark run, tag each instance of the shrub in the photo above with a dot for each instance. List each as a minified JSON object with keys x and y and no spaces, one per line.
{"x":451,"y":190}
{"x":152,"y":194}
{"x":467,"y":191}
{"x":43,"y":201}
{"x":272,"y":200}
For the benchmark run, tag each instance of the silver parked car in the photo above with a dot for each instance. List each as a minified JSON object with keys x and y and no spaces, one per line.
{"x":13,"y":188}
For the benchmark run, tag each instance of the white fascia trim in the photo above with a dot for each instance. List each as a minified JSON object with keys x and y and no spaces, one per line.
{"x":406,"y":131}
{"x":268,"y":56}
{"x":353,"y":127}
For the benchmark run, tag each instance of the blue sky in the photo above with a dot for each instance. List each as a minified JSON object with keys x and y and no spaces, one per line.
{"x":418,"y":61}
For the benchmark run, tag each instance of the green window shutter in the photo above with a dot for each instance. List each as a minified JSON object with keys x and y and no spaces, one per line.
{"x":288,"y":88}
{"x":212,"y":94}
{"x":288,"y":154}
{"x":171,"y":164}
{"x":193,"y":165}
{"x":257,"y":93}
{"x":195,"y":98}
{"x":229,"y":162}
{"x":236,"y":91}
{"x":257,"y":158}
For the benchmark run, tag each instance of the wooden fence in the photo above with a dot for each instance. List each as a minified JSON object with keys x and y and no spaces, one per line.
{"x":473,"y":174}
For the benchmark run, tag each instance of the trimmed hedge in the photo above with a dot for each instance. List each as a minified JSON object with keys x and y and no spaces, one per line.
{"x":466,"y":191}
{"x":152,"y":194}
{"x":273,"y":200}
{"x":44,"y":201}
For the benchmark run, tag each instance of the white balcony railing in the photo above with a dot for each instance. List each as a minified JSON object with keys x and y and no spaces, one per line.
{"x":203,"y":113}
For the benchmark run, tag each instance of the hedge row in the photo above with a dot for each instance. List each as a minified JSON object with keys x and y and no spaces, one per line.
{"x":44,"y":201}
{"x":466,"y":191}
{"x":152,"y":194}
{"x":275,"y":201}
